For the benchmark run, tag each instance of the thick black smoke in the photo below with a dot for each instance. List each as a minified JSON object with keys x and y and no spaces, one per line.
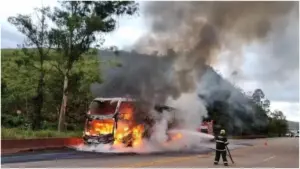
{"x":196,"y":33}
{"x":197,"y":29}
{"x":139,"y":76}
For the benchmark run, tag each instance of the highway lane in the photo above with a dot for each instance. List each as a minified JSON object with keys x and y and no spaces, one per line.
{"x":66,"y":157}
{"x":281,"y":152}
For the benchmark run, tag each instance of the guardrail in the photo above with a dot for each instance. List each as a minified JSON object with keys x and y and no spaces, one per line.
{"x":12,"y":146}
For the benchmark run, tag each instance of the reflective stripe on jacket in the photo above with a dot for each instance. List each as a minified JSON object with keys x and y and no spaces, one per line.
{"x":220,"y":150}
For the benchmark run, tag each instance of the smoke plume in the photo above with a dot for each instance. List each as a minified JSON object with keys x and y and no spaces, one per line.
{"x":192,"y":35}
{"x":152,"y":81}
{"x":201,"y":32}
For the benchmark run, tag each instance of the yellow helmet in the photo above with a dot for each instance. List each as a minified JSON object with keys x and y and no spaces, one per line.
{"x":222,"y":131}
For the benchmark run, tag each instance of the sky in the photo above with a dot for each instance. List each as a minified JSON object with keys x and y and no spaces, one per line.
{"x":283,"y":94}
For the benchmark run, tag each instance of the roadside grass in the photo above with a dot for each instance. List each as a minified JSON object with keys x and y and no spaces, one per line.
{"x":16,"y":133}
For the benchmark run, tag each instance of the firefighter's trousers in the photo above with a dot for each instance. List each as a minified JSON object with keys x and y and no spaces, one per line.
{"x":218,"y":154}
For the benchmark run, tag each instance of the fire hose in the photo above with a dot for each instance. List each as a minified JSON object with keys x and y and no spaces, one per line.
{"x":229,"y":155}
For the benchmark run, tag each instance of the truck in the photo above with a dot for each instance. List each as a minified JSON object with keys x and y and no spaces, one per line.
{"x":206,"y":127}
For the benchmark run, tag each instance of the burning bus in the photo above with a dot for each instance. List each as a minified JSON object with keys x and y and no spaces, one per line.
{"x":111,"y":121}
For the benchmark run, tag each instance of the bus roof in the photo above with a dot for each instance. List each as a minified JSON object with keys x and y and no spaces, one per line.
{"x":113,"y":99}
{"x":127,"y":99}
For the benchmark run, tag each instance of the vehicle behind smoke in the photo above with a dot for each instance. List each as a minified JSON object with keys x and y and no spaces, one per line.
{"x":207,"y":127}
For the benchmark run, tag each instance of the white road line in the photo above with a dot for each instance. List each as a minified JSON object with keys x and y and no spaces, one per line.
{"x":267,"y":159}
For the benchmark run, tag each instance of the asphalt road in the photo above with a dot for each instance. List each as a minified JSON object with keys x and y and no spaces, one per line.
{"x":279,"y":152}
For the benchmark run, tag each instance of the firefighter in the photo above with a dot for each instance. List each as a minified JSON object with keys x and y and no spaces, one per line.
{"x":221,"y":143}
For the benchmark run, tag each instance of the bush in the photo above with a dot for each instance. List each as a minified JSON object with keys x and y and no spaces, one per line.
{"x":17,"y":133}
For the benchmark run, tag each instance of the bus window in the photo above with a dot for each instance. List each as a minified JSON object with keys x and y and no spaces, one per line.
{"x":102,"y":108}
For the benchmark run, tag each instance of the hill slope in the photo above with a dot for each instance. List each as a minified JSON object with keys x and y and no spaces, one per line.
{"x":293,"y":125}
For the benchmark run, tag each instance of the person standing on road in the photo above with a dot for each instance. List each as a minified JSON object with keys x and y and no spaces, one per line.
{"x":221,"y":143}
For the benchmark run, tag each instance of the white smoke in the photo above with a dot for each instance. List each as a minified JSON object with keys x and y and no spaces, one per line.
{"x":191,"y":109}
{"x":160,"y":128}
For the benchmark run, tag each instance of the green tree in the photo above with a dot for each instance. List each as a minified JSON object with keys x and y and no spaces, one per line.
{"x":257,"y":96}
{"x":266,"y":105}
{"x":279,"y":124}
{"x":84,"y":73}
{"x":261,"y":109}
{"x":17,"y":88}
{"x":37,"y":38}
{"x":266,"y":121}
{"x":77,"y":25}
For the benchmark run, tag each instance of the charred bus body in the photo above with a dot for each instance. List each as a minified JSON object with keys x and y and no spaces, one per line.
{"x":111,"y":121}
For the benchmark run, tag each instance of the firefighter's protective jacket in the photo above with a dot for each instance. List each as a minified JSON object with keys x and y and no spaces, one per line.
{"x":221,"y":143}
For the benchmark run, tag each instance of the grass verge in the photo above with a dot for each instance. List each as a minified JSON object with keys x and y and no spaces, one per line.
{"x":16,"y":133}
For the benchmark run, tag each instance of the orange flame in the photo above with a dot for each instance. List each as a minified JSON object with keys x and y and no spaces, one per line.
{"x":174,"y":136}
{"x":127,"y":131}
{"x":101,"y":126}
{"x":177,"y":136}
